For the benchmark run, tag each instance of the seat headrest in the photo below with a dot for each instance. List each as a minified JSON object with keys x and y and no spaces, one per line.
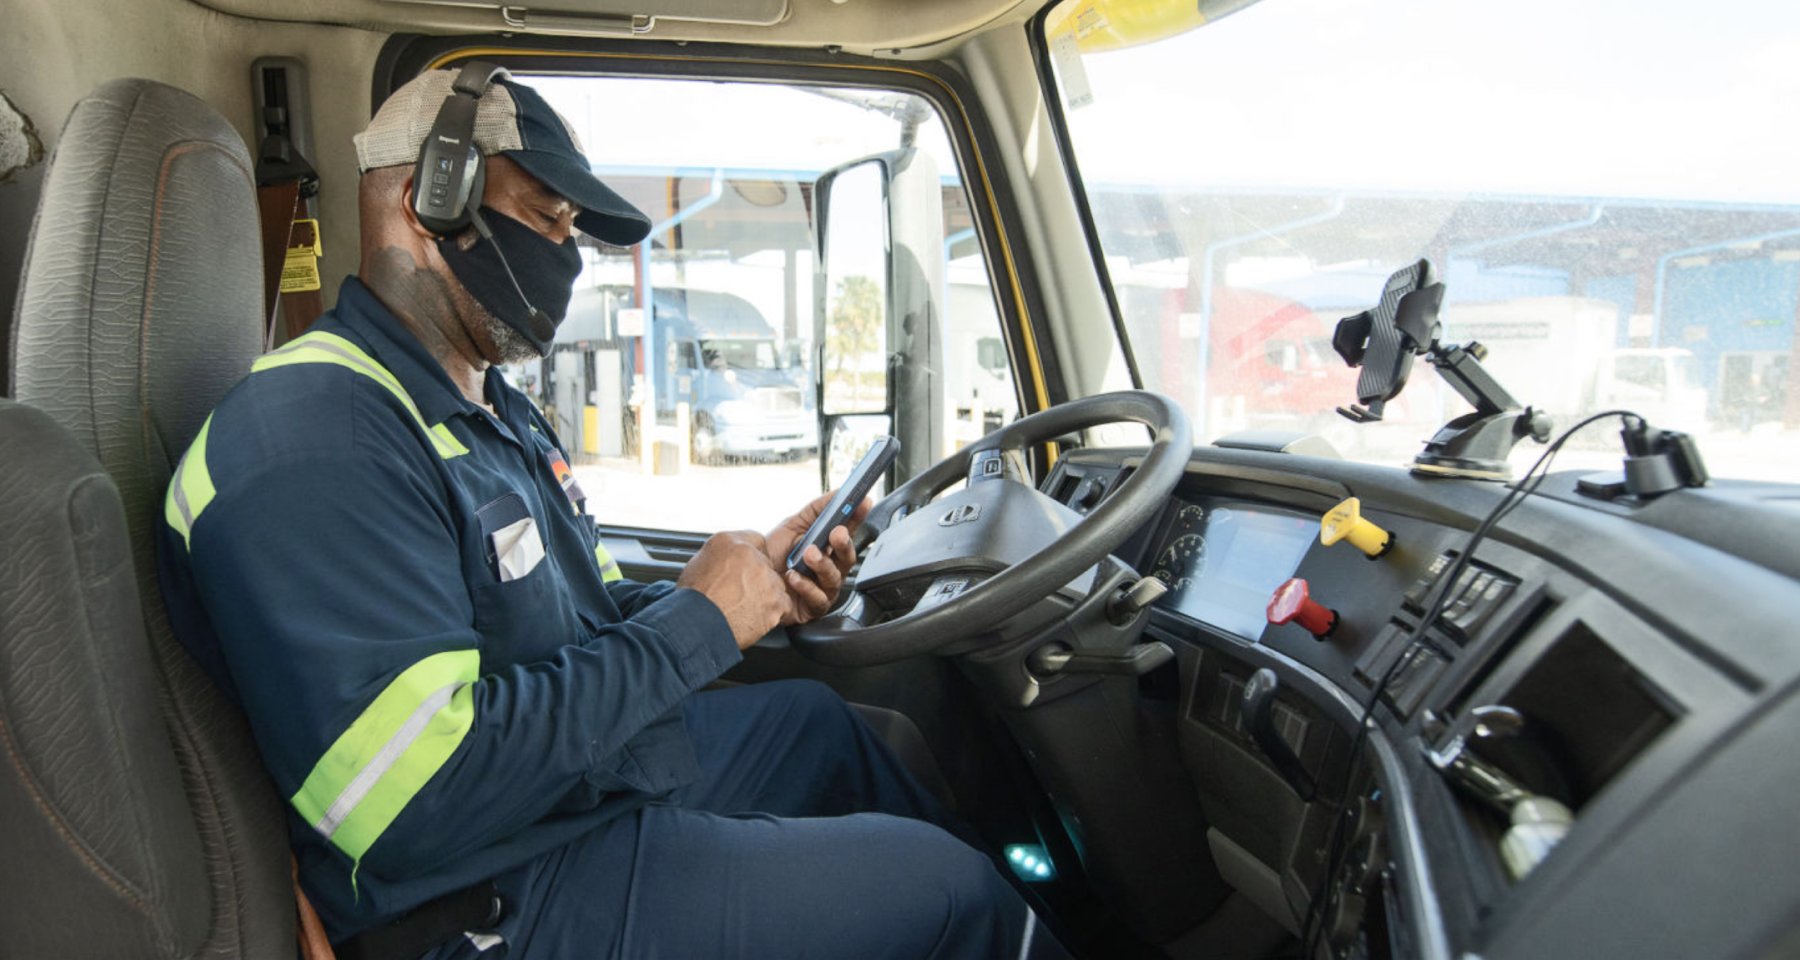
{"x":141,"y":300}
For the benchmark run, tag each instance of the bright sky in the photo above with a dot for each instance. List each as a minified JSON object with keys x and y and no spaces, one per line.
{"x":1623,"y":98}
{"x":1650,"y":98}
{"x":685,"y":123}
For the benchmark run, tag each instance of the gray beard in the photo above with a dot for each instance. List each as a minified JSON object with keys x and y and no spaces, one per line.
{"x":513,"y":346}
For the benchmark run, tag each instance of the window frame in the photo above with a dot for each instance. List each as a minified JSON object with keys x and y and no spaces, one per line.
{"x":1038,"y":382}
{"x":1065,"y":147}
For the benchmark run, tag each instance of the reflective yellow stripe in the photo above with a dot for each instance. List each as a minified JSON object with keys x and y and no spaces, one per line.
{"x":321,"y":347}
{"x":190,"y":489}
{"x":609,"y":568}
{"x":447,"y":445}
{"x":390,"y":751}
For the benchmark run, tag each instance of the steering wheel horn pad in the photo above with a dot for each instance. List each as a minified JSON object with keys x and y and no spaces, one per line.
{"x":1012,"y":544}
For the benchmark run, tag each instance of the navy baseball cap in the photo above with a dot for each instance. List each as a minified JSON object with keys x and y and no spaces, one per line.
{"x":511,"y":119}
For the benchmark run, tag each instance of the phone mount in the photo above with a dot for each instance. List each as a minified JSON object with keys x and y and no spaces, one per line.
{"x":1383,"y":341}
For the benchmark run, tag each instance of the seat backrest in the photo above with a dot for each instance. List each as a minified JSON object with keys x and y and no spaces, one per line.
{"x":102,"y":857}
{"x":139,"y":307}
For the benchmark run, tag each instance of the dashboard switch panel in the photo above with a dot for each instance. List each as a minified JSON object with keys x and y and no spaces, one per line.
{"x":1345,"y":522}
{"x":1469,"y":603}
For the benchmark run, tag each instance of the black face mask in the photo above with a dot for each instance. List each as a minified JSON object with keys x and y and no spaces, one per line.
{"x":545,"y":272}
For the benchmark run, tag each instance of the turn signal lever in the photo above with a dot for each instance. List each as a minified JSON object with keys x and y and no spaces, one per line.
{"x":1127,"y":604}
{"x":1136,"y":660}
{"x":1259,"y":719}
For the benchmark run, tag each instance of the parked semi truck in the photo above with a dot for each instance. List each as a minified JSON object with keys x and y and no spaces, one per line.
{"x":722,"y":359}
{"x":748,"y":395}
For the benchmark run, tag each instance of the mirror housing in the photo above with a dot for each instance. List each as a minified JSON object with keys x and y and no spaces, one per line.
{"x":911,"y":289}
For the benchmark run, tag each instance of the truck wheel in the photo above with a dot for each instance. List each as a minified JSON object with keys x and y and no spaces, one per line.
{"x":704,"y":443}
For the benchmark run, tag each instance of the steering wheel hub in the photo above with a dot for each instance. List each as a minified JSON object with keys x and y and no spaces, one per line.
{"x":948,"y":569}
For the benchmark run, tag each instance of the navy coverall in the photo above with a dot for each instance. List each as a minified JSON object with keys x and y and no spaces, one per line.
{"x":349,"y":552}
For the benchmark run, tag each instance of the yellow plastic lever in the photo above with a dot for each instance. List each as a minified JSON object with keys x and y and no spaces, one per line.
{"x":1345,"y":522}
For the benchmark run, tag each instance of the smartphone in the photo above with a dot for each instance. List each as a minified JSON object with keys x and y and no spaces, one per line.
{"x":844,"y":502}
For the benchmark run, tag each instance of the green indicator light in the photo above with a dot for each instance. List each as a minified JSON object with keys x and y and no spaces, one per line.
{"x":1030,"y":861}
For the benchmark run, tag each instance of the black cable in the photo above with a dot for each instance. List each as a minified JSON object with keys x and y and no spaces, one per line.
{"x":1319,"y":907}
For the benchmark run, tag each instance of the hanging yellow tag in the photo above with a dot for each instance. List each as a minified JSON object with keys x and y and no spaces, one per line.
{"x":300,"y":271}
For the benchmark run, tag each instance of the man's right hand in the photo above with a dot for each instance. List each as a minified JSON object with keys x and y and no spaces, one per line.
{"x":733,"y":571}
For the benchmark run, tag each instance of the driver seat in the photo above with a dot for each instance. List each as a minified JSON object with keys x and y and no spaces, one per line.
{"x":139,"y":307}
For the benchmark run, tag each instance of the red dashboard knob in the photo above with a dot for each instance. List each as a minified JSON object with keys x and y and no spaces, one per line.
{"x":1291,"y":604}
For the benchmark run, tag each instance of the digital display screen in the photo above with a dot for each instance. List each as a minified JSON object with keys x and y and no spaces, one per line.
{"x":1223,"y":559}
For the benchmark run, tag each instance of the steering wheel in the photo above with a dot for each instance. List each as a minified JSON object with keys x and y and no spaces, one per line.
{"x":941,"y":572}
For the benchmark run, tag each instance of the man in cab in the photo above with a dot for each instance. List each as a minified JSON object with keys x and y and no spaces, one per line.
{"x":490,"y":743}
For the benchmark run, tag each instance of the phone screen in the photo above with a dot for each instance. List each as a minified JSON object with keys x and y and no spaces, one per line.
{"x":843,"y":503}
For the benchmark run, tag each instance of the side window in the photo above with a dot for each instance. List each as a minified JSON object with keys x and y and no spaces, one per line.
{"x":702,"y":414}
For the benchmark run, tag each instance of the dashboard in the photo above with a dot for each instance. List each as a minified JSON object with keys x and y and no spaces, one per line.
{"x":1221,"y":559}
{"x":1559,"y":762}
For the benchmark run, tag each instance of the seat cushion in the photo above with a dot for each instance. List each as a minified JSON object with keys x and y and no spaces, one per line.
{"x":101,"y":852}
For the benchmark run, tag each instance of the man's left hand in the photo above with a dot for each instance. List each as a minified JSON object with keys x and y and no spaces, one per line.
{"x":810,"y":597}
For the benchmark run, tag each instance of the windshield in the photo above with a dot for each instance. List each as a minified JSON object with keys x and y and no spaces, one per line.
{"x":1610,"y":191}
{"x":739,"y":354}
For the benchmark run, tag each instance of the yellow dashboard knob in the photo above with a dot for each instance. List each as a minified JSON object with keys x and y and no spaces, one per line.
{"x":1345,"y":522}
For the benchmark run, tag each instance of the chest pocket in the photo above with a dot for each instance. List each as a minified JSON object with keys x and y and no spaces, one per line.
{"x":508,"y":613}
{"x":518,"y":609}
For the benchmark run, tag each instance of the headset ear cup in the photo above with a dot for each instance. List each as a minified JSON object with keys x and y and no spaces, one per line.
{"x":477,"y":189}
{"x":420,"y":212}
{"x":450,"y":166}
{"x":458,"y":220}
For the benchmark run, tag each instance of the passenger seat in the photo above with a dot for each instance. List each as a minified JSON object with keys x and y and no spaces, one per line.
{"x":139,"y":821}
{"x":102,"y":855}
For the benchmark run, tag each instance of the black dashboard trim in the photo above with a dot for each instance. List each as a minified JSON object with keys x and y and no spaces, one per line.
{"x":1407,"y":843}
{"x":1674,"y":587}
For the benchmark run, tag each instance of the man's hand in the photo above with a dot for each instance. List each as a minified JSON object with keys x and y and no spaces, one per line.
{"x":732,"y":570}
{"x":809,"y":597}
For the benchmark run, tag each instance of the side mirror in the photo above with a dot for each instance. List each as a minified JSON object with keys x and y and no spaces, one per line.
{"x":878,"y":282}
{"x":850,"y":289}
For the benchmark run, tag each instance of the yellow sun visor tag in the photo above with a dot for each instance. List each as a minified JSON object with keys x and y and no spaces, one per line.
{"x":300,"y":271}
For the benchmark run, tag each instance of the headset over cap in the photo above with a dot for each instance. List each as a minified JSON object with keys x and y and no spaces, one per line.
{"x":510,"y":119}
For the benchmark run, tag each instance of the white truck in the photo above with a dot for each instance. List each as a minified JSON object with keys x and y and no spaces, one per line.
{"x":1542,"y":350}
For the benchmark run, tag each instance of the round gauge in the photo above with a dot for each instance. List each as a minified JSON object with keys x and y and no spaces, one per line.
{"x":1182,"y":584}
{"x":1186,"y":554}
{"x":1190,"y":516}
{"x":1166,"y":576}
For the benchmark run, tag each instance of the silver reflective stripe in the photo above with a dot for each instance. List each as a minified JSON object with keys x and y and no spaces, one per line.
{"x":177,"y":488}
{"x":1030,"y":928}
{"x":357,"y":789}
{"x":363,"y":365}
{"x":308,"y":349}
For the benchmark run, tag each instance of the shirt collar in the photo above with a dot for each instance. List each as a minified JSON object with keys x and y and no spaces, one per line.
{"x":510,"y":406}
{"x":396,"y":348}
